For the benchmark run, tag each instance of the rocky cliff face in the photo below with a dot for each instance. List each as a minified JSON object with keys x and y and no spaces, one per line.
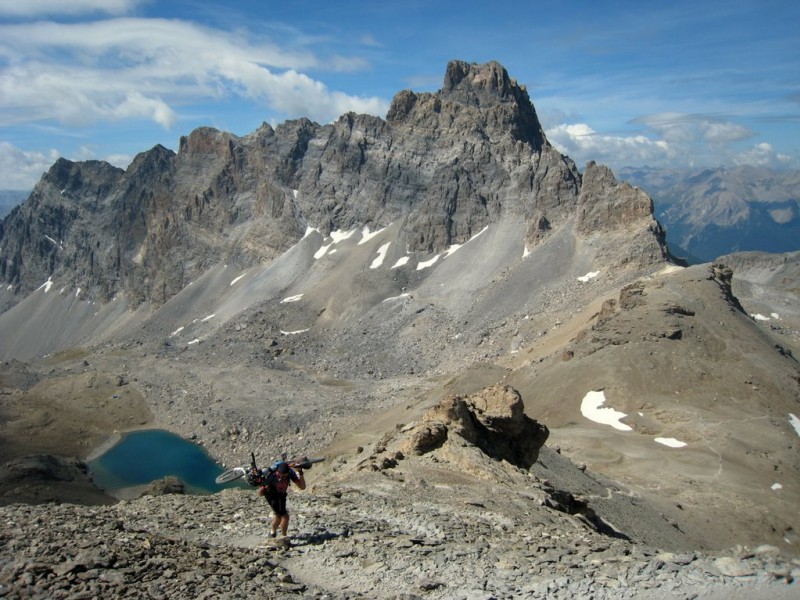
{"x":445,"y":165}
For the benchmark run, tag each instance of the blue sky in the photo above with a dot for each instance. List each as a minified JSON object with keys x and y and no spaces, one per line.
{"x":679,"y":83}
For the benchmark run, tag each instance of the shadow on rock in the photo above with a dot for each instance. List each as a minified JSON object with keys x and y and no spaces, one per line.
{"x":40,"y":478}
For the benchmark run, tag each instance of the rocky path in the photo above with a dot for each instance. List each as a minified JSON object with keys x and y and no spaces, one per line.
{"x":391,"y":542}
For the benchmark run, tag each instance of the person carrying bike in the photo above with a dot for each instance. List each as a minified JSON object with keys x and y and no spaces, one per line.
{"x":275,"y":487}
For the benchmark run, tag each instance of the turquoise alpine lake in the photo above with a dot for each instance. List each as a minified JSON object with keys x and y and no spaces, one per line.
{"x":142,"y":457}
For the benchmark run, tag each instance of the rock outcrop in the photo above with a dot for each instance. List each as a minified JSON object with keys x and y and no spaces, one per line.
{"x":40,"y":479}
{"x":492,"y":420}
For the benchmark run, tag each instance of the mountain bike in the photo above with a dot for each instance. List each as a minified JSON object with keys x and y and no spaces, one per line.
{"x":235,"y":473}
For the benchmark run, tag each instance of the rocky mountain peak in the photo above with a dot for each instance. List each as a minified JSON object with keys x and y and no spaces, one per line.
{"x":476,"y":82}
{"x":495,"y":103}
{"x":91,"y":177}
{"x":155,"y":162}
{"x":204,"y":140}
{"x":446,"y":165}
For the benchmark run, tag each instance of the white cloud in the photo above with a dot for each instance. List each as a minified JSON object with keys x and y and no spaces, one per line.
{"x":668,"y":139}
{"x":20,"y":170}
{"x":761,"y":155}
{"x":686,"y":128}
{"x":370,"y":40}
{"x":35,"y":8}
{"x":131,"y":68}
{"x":582,"y":143}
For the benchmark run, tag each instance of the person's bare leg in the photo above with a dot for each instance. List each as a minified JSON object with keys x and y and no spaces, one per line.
{"x":276,"y":520}
{"x":284,"y":524}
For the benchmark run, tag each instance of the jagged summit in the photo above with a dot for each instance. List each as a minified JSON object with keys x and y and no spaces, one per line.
{"x":493,"y":101}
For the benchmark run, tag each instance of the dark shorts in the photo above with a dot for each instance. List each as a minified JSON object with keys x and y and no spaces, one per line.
{"x":277,"y":501}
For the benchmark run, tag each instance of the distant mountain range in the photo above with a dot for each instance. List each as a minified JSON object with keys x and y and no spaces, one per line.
{"x":711,"y":212}
{"x":10,"y":198}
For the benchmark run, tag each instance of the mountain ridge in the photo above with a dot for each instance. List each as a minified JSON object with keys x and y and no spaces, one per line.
{"x":446,"y":164}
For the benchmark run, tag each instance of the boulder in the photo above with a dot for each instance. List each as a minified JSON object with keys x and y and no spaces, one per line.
{"x":164,"y":486}
{"x":492,"y":420}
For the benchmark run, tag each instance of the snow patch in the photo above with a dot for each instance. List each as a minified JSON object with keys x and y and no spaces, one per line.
{"x":403,"y":295}
{"x":339,"y":236}
{"x":238,"y":278}
{"x":588,"y":276}
{"x":366,"y":235}
{"x":400,"y":262}
{"x":291,"y":299}
{"x":427,"y":263}
{"x":775,"y":316}
{"x":776,"y":486}
{"x":592,"y":408}
{"x":46,"y":285}
{"x":322,"y":251}
{"x":759,"y":317}
{"x":448,"y":252}
{"x":525,"y":252}
{"x":176,"y":332}
{"x":55,"y":243}
{"x":794,"y":422}
{"x":671,"y":442}
{"x":336,"y":237}
{"x":479,"y":233}
{"x":452,"y":249}
{"x":194,"y":341}
{"x":293,"y":332}
{"x":381,"y":255}
{"x":208,"y":318}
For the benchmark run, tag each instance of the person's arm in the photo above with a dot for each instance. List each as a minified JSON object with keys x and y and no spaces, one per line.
{"x":301,"y":479}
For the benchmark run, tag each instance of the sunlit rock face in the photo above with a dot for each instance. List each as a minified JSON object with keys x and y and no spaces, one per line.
{"x":446,"y":165}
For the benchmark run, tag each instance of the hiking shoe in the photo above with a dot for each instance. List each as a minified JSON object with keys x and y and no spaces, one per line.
{"x":273,"y":534}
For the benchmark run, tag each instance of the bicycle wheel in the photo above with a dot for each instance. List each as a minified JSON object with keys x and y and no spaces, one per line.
{"x":230,"y":475}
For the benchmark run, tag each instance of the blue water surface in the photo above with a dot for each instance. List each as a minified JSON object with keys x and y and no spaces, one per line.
{"x":148,"y":455}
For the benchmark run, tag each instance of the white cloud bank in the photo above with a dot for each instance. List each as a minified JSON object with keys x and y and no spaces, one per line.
{"x":136,"y":68}
{"x":35,"y":8}
{"x":666,"y":139}
{"x":21,"y":170}
{"x":583,"y":143}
